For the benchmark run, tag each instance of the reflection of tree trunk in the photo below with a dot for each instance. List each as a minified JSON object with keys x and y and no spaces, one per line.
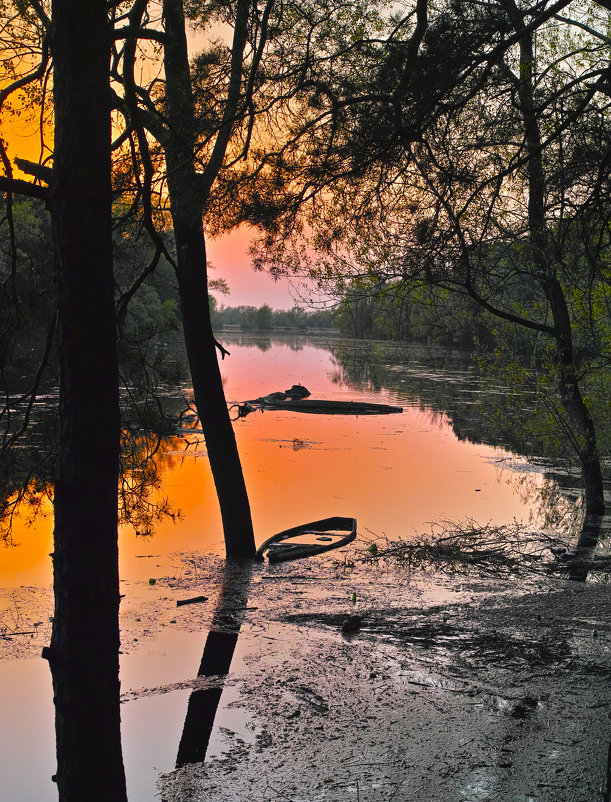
{"x":84,"y":651}
{"x":216,"y":661}
{"x":581,"y":564}
{"x":186,"y":198}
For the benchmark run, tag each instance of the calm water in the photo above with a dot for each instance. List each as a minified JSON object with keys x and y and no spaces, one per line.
{"x":395,"y":473}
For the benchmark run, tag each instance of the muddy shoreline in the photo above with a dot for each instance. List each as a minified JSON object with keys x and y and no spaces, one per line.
{"x":453,"y":687}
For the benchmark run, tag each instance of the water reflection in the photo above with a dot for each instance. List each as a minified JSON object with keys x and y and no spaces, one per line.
{"x":145,"y":457}
{"x":483,"y":413}
{"x":28,"y":454}
{"x":445,"y":457}
{"x":264,"y":341}
{"x":427,"y":377}
{"x":216,"y":661}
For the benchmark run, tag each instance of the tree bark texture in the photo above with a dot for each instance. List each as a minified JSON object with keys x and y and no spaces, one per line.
{"x":186,"y":201}
{"x":572,"y":400}
{"x":84,"y":651}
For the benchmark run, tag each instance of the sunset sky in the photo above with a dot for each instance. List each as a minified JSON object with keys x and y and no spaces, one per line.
{"x":231,"y":261}
{"x":228,"y":255}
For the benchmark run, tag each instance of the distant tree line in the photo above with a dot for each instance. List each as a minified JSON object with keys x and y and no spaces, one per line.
{"x":396,"y":310}
{"x":461,"y":146}
{"x":263,"y":318}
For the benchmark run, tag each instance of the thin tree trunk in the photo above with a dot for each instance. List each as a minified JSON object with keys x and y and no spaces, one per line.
{"x":574,"y":404}
{"x":186,"y":201}
{"x":568,"y":382}
{"x":84,"y":651}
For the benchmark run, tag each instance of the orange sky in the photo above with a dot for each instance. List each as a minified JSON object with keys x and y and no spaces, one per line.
{"x":228,"y":254}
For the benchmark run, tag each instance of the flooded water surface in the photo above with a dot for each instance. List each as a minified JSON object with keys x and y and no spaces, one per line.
{"x":396,"y":474}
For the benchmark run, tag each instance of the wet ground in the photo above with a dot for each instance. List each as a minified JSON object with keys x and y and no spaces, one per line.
{"x":449,"y":688}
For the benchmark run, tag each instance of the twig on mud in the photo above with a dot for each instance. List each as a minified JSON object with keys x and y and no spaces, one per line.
{"x":396,"y":791}
{"x":276,"y":791}
{"x":12,"y":634}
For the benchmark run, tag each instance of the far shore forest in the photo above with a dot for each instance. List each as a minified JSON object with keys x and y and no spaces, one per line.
{"x":438,"y":170}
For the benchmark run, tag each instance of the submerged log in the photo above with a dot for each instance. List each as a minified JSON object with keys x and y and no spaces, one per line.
{"x":318,"y":406}
{"x":295,"y":400}
{"x":322,"y":406}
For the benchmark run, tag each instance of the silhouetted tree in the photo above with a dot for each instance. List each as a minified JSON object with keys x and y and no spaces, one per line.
{"x":84,"y":651}
{"x":467,"y":159}
{"x":188,"y":194}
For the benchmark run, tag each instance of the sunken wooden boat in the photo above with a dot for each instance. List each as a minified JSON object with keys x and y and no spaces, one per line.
{"x":315,"y":538}
{"x":329,"y":407}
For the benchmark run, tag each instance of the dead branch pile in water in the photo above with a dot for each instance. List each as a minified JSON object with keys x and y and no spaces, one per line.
{"x":452,"y":546}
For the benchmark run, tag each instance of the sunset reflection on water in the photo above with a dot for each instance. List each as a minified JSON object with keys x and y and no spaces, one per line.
{"x":395,"y":473}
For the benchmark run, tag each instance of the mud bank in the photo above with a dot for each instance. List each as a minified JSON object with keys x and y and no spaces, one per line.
{"x":452,"y":689}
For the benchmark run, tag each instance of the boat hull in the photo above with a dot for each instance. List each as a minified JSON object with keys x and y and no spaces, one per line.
{"x":278,"y":550}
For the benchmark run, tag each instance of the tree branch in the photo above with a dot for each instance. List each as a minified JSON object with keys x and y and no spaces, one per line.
{"x":233,"y":98}
{"x":18,"y":187}
{"x":39,"y":171}
{"x":134,"y":32}
{"x":222,"y":349}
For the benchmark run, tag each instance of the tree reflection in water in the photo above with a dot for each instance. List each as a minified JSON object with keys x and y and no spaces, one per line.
{"x":435,"y":379}
{"x":482,"y":409}
{"x":216,"y":661}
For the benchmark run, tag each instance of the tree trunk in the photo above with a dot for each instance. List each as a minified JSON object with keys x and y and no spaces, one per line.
{"x":542,"y":252}
{"x":84,"y":651}
{"x":574,"y":404}
{"x":186,"y":201}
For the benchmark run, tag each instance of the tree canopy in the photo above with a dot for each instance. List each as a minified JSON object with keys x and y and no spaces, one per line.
{"x":473,"y":157}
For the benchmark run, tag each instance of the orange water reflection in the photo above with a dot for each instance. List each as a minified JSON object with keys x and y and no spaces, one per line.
{"x":394,"y":473}
{"x":27,"y":562}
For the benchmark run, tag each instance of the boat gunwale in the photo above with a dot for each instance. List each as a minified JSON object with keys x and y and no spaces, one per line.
{"x":297,"y":550}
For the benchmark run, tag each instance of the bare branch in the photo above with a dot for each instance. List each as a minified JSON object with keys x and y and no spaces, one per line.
{"x":19,"y":187}
{"x":224,"y":352}
{"x":39,"y":171}
{"x":132,"y":32}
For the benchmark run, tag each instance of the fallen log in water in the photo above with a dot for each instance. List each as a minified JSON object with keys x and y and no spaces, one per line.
{"x":317,"y":405}
{"x":326,"y":407}
{"x":296,"y":399}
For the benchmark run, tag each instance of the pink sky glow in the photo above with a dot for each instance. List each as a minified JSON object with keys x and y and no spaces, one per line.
{"x":231,"y":260}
